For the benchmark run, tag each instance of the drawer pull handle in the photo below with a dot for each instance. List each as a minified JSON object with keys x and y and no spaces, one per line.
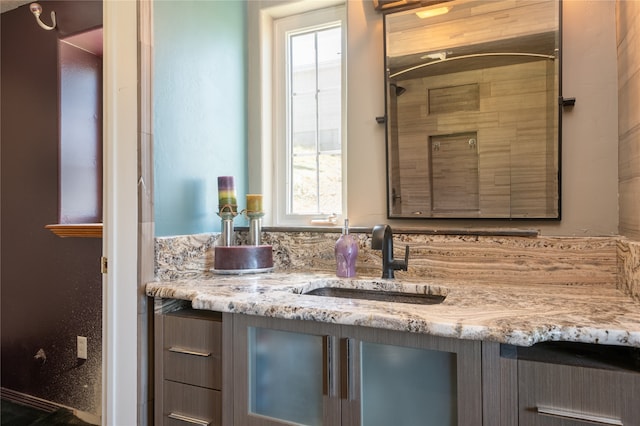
{"x":572,"y":415}
{"x":188,"y":352}
{"x":187,"y":419}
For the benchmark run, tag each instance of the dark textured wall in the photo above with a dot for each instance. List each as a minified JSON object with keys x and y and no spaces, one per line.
{"x":51,"y":288}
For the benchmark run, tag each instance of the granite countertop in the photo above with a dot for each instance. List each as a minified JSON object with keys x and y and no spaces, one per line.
{"x":518,"y":314}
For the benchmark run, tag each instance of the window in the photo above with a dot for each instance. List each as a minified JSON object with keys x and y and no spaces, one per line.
{"x":309,"y":135}
{"x":80,"y":139}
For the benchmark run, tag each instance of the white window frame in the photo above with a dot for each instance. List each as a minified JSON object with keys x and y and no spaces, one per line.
{"x":281,"y":28}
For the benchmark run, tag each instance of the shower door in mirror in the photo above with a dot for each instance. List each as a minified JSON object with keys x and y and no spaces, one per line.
{"x":473,"y":114}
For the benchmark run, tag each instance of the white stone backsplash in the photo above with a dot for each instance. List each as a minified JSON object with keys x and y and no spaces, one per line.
{"x":494,"y":259}
{"x":629,"y":267}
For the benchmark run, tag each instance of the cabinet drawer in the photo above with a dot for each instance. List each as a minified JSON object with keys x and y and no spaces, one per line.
{"x":186,"y":405}
{"x":563,"y":395}
{"x":192,"y":350}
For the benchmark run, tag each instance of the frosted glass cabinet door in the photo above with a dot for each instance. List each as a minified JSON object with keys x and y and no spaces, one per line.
{"x":285,"y":375}
{"x":407,"y":386}
{"x":289,"y":372}
{"x":408,"y":379}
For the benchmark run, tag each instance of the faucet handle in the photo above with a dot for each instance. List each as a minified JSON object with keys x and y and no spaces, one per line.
{"x":406,"y":258}
{"x":399,"y":265}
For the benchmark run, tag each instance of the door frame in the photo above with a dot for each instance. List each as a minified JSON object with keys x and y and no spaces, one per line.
{"x":120,"y":214}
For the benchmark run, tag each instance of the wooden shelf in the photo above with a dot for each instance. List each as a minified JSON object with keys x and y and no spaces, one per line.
{"x":77,"y":230}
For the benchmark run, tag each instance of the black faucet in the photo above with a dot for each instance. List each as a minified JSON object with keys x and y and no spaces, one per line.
{"x":382,"y":239}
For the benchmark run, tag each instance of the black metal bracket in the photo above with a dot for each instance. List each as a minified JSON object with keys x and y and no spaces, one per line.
{"x":382,"y":119}
{"x":567,"y":102}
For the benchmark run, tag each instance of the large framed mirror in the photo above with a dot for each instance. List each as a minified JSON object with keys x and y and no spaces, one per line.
{"x":473,"y":110}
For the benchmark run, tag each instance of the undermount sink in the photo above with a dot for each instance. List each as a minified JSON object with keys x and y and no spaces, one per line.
{"x":378,"y":295}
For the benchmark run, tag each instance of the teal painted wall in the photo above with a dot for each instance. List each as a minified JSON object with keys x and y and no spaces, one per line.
{"x":199,"y":104}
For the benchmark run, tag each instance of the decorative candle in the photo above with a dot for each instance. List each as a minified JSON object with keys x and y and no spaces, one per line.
{"x":226,"y":194}
{"x":254,"y":203}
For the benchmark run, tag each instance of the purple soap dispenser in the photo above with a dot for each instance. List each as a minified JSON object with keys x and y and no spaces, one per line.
{"x":346,"y":253}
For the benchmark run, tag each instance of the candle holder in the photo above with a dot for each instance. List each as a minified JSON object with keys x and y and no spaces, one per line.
{"x":242,"y":259}
{"x":255,"y":226}
{"x":227,"y":216}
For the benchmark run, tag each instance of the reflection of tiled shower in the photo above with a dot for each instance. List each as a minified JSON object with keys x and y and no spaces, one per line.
{"x":453,"y":166}
{"x":453,"y":157}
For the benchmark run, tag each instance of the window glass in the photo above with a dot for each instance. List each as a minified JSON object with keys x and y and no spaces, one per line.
{"x":313,"y":116}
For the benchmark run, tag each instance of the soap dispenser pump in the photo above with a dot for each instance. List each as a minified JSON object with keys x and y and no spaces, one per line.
{"x":346,"y":253}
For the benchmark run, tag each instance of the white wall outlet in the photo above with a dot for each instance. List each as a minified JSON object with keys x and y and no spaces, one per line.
{"x":82,"y":347}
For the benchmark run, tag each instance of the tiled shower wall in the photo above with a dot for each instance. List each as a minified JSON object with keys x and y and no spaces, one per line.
{"x":629,"y":267}
{"x":628,"y":39}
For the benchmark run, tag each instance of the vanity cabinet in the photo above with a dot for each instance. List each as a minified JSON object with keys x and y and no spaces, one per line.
{"x":214,"y":369}
{"x":189,"y":370}
{"x":564,"y":384}
{"x":306,"y":372}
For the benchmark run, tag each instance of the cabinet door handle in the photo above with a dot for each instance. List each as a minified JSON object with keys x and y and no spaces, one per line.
{"x":572,"y":415}
{"x":188,"y":352}
{"x":327,"y":365}
{"x":187,"y":419}
{"x":346,"y":369}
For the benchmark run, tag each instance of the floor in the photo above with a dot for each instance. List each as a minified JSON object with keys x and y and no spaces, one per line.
{"x":14,"y":414}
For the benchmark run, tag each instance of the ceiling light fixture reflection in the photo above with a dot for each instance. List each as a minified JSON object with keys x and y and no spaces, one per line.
{"x":430,"y":13}
{"x":440,"y":56}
